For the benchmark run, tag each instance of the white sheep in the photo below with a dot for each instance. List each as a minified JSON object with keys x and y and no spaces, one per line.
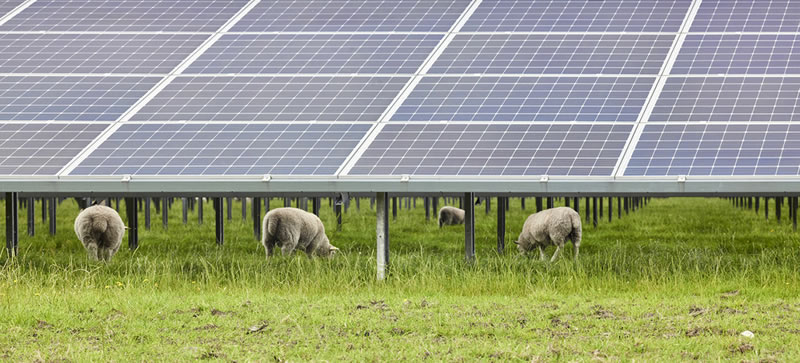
{"x":550,"y":227}
{"x":292,"y":228}
{"x":450,"y":215}
{"x":100,"y":229}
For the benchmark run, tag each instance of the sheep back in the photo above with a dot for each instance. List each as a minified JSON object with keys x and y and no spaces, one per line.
{"x":450,"y":215}
{"x":100,"y":229}
{"x":550,"y":227}
{"x":291,"y":229}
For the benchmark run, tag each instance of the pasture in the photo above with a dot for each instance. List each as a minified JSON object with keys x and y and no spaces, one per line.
{"x":679,"y":279}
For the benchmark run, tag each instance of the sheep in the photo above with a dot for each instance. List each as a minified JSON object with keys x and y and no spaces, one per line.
{"x":100,"y":229}
{"x":292,"y":228}
{"x":450,"y":215}
{"x":550,"y":227}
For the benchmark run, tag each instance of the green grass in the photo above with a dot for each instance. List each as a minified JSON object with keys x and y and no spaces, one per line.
{"x":677,"y":280}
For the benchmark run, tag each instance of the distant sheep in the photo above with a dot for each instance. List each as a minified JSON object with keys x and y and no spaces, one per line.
{"x":100,"y":229}
{"x":450,"y":215}
{"x":550,"y":227}
{"x":292,"y":228}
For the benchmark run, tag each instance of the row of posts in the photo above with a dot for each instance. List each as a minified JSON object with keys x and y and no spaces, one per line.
{"x":778,"y":203}
{"x":340,"y":205}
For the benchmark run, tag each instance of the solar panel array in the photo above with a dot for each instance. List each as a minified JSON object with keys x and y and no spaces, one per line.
{"x":369,"y":88}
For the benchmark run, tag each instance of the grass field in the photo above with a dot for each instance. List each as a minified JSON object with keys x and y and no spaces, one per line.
{"x":677,"y":280}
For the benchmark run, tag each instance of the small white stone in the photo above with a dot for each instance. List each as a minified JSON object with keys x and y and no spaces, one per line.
{"x":748,"y":334}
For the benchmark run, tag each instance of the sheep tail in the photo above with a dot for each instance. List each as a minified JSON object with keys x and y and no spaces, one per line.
{"x":575,"y":235}
{"x":268,"y":228}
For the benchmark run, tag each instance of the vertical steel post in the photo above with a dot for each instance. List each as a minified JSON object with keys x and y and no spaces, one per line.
{"x":501,"y":224}
{"x":12,"y":223}
{"x":147,"y":203}
{"x":219,"y":221}
{"x":52,"y":205}
{"x":382,"y":232}
{"x":133,"y":222}
{"x":256,"y":207}
{"x":31,"y":217}
{"x":165,"y":212}
{"x":469,"y":225}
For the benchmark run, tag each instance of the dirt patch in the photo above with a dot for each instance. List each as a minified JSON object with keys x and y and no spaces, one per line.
{"x":374,"y":304}
{"x":696,"y":311}
{"x":211,"y":355}
{"x":41,"y":324}
{"x":114,"y":314}
{"x":602,"y":313}
{"x":216,"y":312}
{"x":556,"y":322}
{"x":696,"y":331}
{"x":731,"y":311}
{"x":194,"y":311}
{"x":741,"y":348}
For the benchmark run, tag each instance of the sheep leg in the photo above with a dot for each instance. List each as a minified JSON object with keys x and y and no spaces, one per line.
{"x":287,"y":249}
{"x":541,"y":253}
{"x":269,"y":246}
{"x":555,"y":254}
{"x":91,"y":249}
{"x":576,"y":250}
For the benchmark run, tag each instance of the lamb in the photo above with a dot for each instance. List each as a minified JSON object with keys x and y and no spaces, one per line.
{"x":292,"y":228}
{"x":550,"y":227}
{"x":100,"y":229}
{"x":450,"y":215}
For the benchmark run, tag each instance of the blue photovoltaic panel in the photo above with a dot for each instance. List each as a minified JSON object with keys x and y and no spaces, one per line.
{"x":739,"y":54}
{"x":224,"y":149}
{"x":554,"y":54}
{"x":316,"y":53}
{"x":6,"y":6}
{"x":578,"y":16}
{"x":125,"y":15}
{"x":717,"y":149}
{"x":351,"y":16}
{"x":747,"y":16}
{"x":94,"y":53}
{"x":540,"y":99}
{"x":69,"y":98}
{"x":494,"y":149}
{"x":729,"y":99}
{"x":43,"y":149}
{"x":266,"y":98}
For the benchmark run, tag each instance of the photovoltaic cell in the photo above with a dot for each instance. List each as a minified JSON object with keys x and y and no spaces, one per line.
{"x":578,"y":16}
{"x":351,"y":16}
{"x":125,"y":15}
{"x":747,"y":16}
{"x":43,"y":149}
{"x":717,"y":150}
{"x":739,"y":54}
{"x":554,"y":54}
{"x":224,"y":149}
{"x":94,"y":53}
{"x":729,"y":99}
{"x":316,"y":53}
{"x":69,"y":98}
{"x":494,"y":149}
{"x":540,"y":99}
{"x":6,"y":6}
{"x":266,"y":98}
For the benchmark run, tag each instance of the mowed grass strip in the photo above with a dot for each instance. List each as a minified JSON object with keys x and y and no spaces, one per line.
{"x":677,"y":280}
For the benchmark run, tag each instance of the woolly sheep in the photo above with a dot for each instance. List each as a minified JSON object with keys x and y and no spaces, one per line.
{"x":292,"y":228}
{"x":100,"y":229}
{"x":450,"y":215}
{"x":550,"y":227}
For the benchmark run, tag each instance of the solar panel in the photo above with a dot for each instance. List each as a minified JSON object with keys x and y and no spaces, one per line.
{"x":316,"y":53}
{"x":43,"y":149}
{"x":6,"y":6}
{"x":739,"y":54}
{"x":494,"y":149}
{"x":267,"y":98}
{"x":224,"y":149}
{"x":537,"y":99}
{"x":124,"y":15}
{"x":747,"y":16}
{"x":728,"y":99}
{"x":717,"y":150}
{"x":351,"y":16}
{"x":69,"y":98}
{"x":578,"y":16}
{"x":94,"y":53}
{"x":554,"y":54}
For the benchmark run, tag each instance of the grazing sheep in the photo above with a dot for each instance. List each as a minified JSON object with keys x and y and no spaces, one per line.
{"x":450,"y":215}
{"x":100,"y":229}
{"x":292,"y":228}
{"x":550,"y":227}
